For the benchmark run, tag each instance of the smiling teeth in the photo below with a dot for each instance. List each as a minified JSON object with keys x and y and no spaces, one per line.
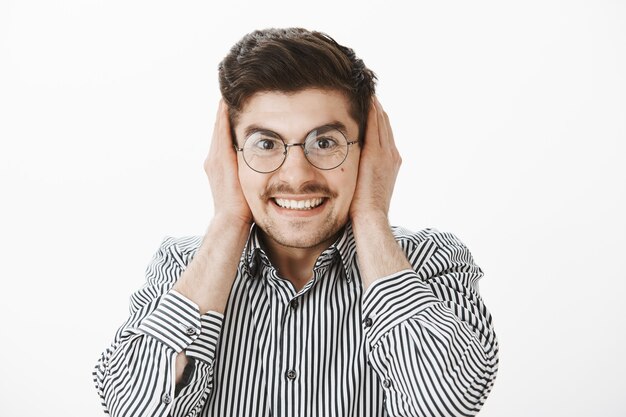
{"x":299,"y":204}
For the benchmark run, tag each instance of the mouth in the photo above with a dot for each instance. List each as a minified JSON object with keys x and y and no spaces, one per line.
{"x":302,"y":205}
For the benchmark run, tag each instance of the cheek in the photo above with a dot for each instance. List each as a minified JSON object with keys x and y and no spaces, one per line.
{"x":346,"y":181}
{"x":351,"y":171}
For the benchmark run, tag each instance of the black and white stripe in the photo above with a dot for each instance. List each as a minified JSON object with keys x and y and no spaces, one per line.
{"x":418,"y":343}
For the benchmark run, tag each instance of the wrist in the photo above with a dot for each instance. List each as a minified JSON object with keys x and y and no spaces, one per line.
{"x":369,"y":218}
{"x":208,"y":279}
{"x":379,"y":253}
{"x":231,"y":222}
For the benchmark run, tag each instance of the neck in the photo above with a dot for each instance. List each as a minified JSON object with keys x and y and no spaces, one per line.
{"x":294,"y":264}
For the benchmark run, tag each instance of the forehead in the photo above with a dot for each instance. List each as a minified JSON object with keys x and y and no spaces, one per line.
{"x":292,"y":114}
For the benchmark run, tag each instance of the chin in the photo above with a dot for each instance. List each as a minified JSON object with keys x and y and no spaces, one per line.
{"x":303,"y":235}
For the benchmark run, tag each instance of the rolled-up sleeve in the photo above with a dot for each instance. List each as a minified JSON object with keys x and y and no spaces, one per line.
{"x":135,"y":375}
{"x":431,"y":339}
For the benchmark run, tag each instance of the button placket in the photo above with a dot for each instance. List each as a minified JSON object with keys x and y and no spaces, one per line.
{"x":290,"y":361}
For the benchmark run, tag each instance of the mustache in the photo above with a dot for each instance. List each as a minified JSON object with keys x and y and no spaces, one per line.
{"x":306,"y":188}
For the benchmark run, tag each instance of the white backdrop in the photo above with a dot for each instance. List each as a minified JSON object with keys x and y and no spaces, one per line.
{"x":106,"y":110}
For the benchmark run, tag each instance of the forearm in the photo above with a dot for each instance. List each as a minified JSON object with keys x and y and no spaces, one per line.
{"x":208,"y":279}
{"x":181,"y":363}
{"x":429,"y":332}
{"x":198,"y":297}
{"x":378,"y":252}
{"x":424,"y":353}
{"x":147,"y":352}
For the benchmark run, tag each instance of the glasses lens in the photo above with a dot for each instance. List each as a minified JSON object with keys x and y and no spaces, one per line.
{"x":326,"y":148}
{"x":263,"y":152}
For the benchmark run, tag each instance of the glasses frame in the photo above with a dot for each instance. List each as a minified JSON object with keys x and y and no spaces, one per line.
{"x":291,"y":145}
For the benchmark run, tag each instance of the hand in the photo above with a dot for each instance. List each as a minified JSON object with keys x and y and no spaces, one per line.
{"x":209,"y":277}
{"x":221,"y":168}
{"x":378,"y":167}
{"x":379,"y":253}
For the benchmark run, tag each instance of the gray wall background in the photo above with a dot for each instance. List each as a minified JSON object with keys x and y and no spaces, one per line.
{"x":106,"y":110}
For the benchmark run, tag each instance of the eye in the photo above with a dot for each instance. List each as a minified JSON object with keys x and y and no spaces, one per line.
{"x":266,"y":144}
{"x":262,"y":143}
{"x":325,"y":143}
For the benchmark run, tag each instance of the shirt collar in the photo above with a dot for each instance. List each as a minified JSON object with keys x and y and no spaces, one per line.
{"x":345,"y":247}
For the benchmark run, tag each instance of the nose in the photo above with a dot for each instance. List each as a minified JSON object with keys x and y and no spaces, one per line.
{"x":296,"y":170}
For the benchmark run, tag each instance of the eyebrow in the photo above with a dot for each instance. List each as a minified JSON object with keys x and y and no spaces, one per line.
{"x":254,"y":128}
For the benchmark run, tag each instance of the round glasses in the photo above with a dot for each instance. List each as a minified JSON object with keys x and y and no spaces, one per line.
{"x":325,"y":148}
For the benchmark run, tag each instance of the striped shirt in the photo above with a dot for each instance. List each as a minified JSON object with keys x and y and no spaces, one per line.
{"x":419,"y":342}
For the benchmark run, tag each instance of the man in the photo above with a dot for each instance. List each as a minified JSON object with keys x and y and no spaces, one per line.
{"x":300,"y":299}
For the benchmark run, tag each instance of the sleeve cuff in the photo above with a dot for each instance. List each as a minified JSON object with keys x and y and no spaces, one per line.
{"x":204,"y":347}
{"x":176,"y":321}
{"x":392,"y":300}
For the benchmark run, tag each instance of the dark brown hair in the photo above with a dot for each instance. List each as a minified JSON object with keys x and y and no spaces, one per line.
{"x":290,"y":60}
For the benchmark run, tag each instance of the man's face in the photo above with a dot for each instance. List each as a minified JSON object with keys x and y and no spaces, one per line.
{"x":273,"y":197}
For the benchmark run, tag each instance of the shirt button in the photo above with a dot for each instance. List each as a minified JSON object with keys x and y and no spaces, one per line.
{"x":386,"y":383}
{"x":190,"y":330}
{"x":291,"y":374}
{"x":368,"y":322}
{"x":166,"y":398}
{"x":294,"y":304}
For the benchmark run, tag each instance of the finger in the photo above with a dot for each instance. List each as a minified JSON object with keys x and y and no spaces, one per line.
{"x":222,"y":134}
{"x":223,"y":131}
{"x":387,"y":140}
{"x":216,"y":129}
{"x":371,"y":133}
{"x":390,"y":138}
{"x":382,"y":124}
